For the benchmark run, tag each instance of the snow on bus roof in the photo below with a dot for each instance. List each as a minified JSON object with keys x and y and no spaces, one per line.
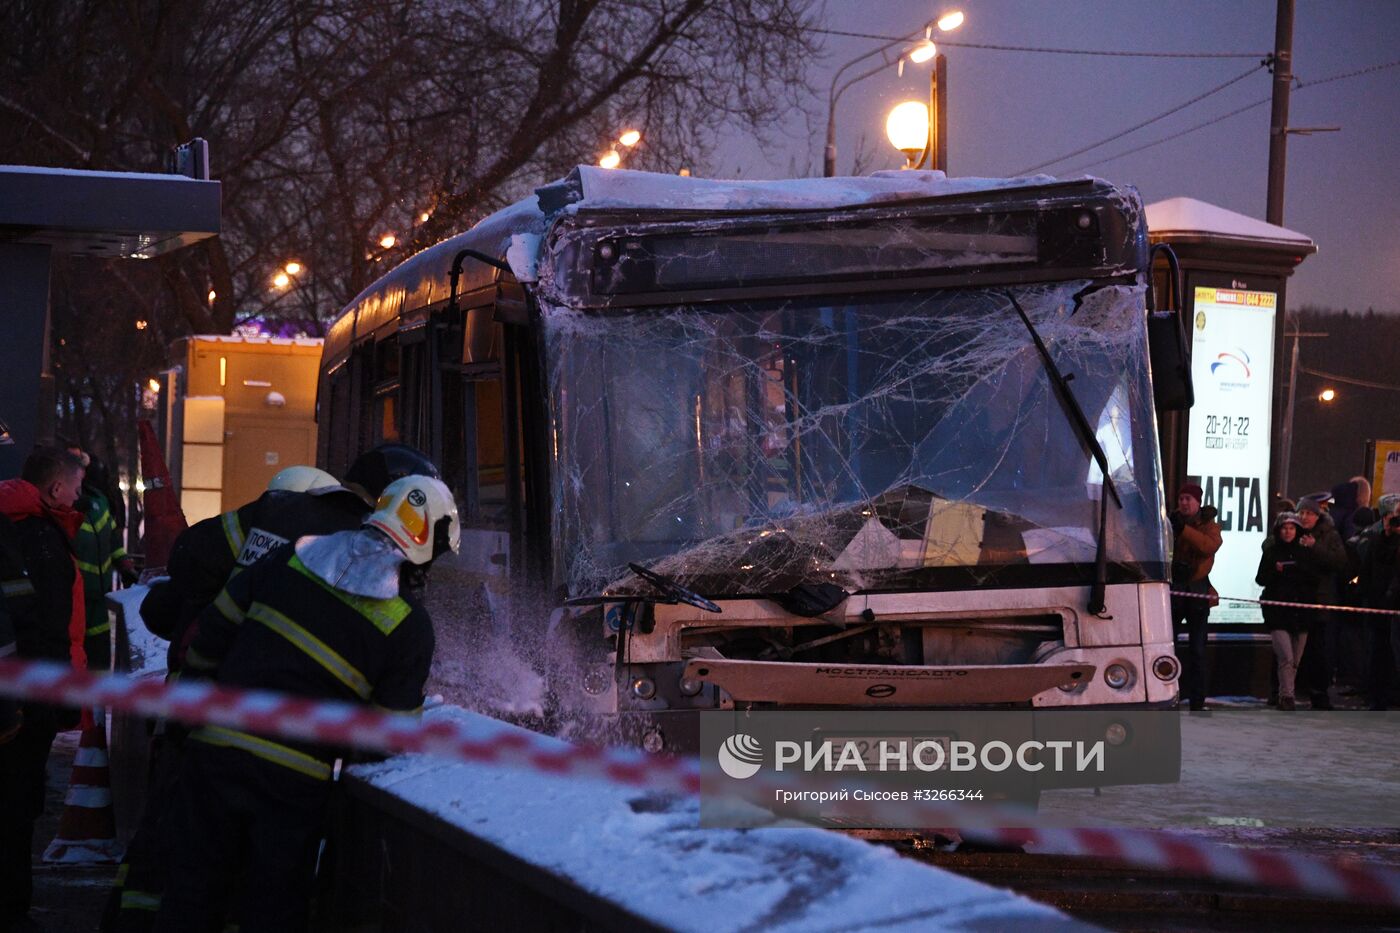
{"x":623,"y":188}
{"x":516,"y":233}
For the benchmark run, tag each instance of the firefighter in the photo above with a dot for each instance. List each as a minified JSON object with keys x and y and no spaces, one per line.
{"x":301,"y":479}
{"x":206,"y":553}
{"x":300,"y":500}
{"x":325,"y":618}
{"x":99,"y":551}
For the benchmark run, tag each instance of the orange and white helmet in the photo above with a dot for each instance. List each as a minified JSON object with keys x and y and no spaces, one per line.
{"x":419,"y":515}
{"x":301,"y":478}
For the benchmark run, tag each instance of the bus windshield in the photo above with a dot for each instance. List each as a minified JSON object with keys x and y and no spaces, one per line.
{"x":888,"y":442}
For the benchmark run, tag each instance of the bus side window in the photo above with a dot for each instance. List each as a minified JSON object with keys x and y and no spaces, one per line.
{"x":474,"y":445}
{"x":491,"y":488}
{"x":360,"y":371}
{"x":385,"y":424}
{"x":338,"y":421}
{"x":415,"y":396}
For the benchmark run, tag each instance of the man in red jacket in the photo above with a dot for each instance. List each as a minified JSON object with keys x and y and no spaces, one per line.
{"x":43,"y":595}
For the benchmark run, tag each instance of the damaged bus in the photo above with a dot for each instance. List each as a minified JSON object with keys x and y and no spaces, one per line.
{"x":883,"y":442}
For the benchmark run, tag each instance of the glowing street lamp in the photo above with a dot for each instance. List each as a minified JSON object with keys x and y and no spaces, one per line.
{"x":281,"y":280}
{"x":919,"y":54}
{"x":612,"y":158}
{"x":923,"y":53}
{"x":292,"y":268}
{"x":907,"y":129}
{"x":1327,"y":395}
{"x":935,"y":146}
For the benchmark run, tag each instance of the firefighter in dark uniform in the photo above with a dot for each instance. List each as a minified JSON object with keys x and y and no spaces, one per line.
{"x":325,"y":618}
{"x":207,"y":553}
{"x":99,"y":551}
{"x":299,"y":501}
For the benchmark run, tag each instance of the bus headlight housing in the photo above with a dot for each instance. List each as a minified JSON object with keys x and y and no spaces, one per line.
{"x":1118,"y":675}
{"x":1166,"y":668}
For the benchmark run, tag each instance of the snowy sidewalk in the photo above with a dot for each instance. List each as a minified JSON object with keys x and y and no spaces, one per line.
{"x":646,"y":856}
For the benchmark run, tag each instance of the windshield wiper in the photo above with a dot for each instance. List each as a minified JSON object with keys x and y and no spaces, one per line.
{"x":673,"y":590}
{"x":1080,"y":422}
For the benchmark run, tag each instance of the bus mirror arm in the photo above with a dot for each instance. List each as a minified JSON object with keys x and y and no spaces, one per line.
{"x":455,"y":275}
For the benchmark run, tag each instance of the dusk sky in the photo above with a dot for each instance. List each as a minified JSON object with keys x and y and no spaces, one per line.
{"x":1011,"y":110}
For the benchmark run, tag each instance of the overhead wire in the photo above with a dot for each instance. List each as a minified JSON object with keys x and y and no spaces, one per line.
{"x":1170,"y":136}
{"x":1298,"y":84}
{"x":1264,"y":62}
{"x":1113,"y":53}
{"x":1148,"y":122}
{"x":1350,"y":380}
{"x":1349,"y":74}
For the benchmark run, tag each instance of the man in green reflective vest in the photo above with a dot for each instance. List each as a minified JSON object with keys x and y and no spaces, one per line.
{"x":326,"y":617}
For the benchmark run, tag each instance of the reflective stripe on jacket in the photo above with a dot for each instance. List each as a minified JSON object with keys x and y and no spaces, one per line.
{"x":277,"y":626}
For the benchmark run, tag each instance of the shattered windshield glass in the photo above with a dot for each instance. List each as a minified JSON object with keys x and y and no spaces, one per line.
{"x":878,"y":442}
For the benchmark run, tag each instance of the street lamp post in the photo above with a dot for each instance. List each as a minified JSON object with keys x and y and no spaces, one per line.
{"x":829,"y":160}
{"x":1286,"y":442}
{"x":919,"y":131}
{"x":938,"y":104}
{"x":945,"y":23}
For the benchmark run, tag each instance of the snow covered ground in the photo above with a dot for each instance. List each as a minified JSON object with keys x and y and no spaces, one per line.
{"x":647,"y":854}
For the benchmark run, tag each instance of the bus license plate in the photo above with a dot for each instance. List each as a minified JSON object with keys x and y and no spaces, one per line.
{"x":869,"y":748}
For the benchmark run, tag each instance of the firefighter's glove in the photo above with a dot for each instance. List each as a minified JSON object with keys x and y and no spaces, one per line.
{"x":126,"y":569}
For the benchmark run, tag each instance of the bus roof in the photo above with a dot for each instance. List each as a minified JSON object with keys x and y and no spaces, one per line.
{"x":515,"y":234}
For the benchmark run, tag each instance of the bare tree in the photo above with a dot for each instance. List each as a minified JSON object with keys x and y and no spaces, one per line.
{"x":333,"y":123}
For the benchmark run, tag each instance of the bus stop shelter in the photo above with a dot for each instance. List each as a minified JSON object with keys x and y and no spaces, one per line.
{"x":106,"y":215}
{"x":1234,"y":441}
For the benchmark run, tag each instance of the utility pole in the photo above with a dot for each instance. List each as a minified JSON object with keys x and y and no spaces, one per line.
{"x":938,"y":120}
{"x":1286,"y":442}
{"x":1278,"y":123}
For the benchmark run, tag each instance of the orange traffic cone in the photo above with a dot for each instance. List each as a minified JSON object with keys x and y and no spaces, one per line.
{"x":87,"y":831}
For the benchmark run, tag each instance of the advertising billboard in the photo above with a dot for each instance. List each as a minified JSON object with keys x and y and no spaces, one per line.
{"x":1385,"y":469}
{"x":1228,"y":446}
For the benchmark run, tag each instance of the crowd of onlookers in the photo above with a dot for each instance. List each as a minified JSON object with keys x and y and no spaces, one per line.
{"x":1327,"y":553}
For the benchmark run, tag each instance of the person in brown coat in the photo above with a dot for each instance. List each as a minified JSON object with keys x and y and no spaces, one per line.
{"x":1197,"y":538}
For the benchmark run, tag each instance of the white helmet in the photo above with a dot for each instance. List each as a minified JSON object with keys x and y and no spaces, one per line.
{"x":419,"y":515}
{"x":301,"y":478}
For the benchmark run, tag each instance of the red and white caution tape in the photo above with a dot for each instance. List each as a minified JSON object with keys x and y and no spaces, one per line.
{"x":1331,"y":878}
{"x":1324,"y":607}
{"x":345,"y":724}
{"x":332,"y":723}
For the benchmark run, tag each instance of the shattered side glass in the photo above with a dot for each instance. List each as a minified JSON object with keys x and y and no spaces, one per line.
{"x":890,"y":441}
